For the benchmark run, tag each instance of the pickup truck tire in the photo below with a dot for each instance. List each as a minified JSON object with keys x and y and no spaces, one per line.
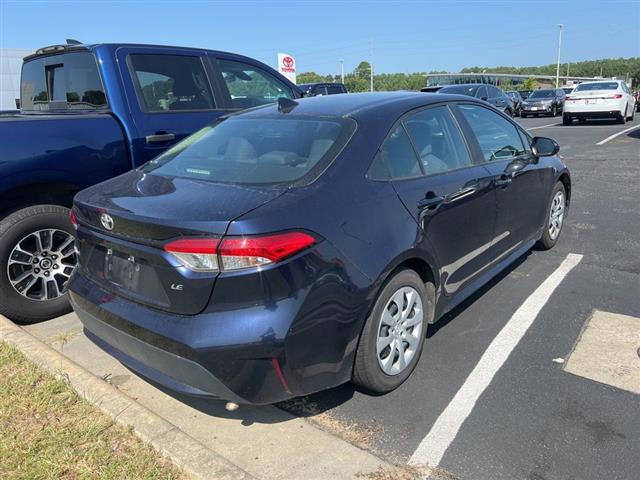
{"x":37,"y":256}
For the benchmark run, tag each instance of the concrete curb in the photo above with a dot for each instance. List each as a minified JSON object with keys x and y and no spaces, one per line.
{"x":190,"y":455}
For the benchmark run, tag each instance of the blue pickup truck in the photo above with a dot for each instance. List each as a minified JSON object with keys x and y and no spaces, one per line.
{"x":89,"y":113}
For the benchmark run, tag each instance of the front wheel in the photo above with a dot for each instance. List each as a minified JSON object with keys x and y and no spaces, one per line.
{"x":393,"y":336}
{"x":37,"y":258}
{"x":555,"y":218}
{"x":554,"y":111}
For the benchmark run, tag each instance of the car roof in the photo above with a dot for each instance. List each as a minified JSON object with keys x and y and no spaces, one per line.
{"x":466,"y":85}
{"x":361,"y":105}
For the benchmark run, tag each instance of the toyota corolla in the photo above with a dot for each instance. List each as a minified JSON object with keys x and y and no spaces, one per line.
{"x":297,"y":246}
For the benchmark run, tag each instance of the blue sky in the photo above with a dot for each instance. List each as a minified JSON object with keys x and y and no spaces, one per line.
{"x":407,"y":36}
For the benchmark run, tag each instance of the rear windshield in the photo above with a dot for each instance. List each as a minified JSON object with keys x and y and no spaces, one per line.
{"x":268,"y":150}
{"x":585,"y":87}
{"x":461,"y":90}
{"x":68,"y":81}
{"x":543,"y":94}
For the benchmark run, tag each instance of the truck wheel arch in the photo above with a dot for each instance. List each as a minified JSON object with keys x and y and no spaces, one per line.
{"x":37,"y":194}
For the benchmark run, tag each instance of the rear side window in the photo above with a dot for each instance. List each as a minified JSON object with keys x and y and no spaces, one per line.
{"x":251,"y":86}
{"x":498,"y":138}
{"x":167,"y":83}
{"x":396,"y":158}
{"x":335,"y":89}
{"x":437,"y":140}
{"x":70,"y":81}
{"x":266,"y":150}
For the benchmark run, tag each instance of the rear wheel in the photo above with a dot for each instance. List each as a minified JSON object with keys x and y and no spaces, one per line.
{"x":633,"y":112}
{"x":555,"y":218}
{"x":37,"y":258}
{"x":566,"y":120}
{"x":393,"y":336}
{"x":622,"y":118}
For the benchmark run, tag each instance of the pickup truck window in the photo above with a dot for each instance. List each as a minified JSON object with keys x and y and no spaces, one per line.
{"x":250,"y":86}
{"x":167,"y":83}
{"x":62,"y":82}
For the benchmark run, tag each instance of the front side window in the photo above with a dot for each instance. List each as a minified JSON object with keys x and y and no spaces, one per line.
{"x":250,"y":86}
{"x":69,"y":81}
{"x":438,"y":140}
{"x":497,"y":137}
{"x":253,"y":151}
{"x":168,"y":83}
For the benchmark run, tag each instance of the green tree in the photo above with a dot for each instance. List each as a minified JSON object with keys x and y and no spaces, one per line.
{"x":528,"y":84}
{"x":363,"y":70}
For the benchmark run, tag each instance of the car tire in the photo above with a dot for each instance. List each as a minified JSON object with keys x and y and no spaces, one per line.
{"x":554,"y":111}
{"x":508,"y":112}
{"x":368,"y":370}
{"x":622,"y":118}
{"x":556,"y":212}
{"x":17,"y":235}
{"x":567,"y":120}
{"x":633,"y":113}
{"x":522,"y":115}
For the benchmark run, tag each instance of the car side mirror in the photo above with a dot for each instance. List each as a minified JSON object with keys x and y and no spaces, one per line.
{"x":544,"y":147}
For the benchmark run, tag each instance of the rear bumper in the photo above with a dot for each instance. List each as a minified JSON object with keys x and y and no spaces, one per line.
{"x":299,"y":340}
{"x":582,"y":110}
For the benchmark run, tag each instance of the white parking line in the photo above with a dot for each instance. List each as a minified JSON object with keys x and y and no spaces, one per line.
{"x":444,"y":430}
{"x":616,"y":134}
{"x":542,"y":126}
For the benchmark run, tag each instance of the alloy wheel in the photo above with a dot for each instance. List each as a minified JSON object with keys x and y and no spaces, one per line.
{"x":399,"y":331}
{"x":556,"y":215}
{"x":41,"y":264}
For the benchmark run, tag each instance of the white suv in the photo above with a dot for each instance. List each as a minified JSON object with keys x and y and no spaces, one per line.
{"x":601,"y":99}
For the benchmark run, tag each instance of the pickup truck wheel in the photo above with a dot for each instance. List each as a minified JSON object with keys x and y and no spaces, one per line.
{"x":37,"y":258}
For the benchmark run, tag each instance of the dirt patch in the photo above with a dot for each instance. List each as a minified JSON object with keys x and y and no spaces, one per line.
{"x":408,"y":472}
{"x":362,"y":436}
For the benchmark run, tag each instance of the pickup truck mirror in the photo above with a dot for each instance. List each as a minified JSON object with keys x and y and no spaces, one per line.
{"x":544,"y":147}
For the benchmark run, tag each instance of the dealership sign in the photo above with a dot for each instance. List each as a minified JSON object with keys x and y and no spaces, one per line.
{"x":287,"y":66}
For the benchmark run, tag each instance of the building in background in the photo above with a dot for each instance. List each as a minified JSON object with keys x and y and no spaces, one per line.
{"x":499,"y":79}
{"x":10,"y":66}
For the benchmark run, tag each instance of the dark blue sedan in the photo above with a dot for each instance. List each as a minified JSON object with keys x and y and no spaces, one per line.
{"x":304,"y":244}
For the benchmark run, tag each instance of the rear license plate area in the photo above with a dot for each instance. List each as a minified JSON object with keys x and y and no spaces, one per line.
{"x":122,"y":270}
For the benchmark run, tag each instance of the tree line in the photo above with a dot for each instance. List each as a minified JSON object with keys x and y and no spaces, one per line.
{"x":358,"y":80}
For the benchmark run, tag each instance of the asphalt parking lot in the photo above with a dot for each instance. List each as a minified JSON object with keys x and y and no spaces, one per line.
{"x":524,"y":416}
{"x":534,"y":420}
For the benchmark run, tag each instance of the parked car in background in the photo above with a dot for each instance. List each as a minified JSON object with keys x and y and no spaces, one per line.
{"x":89,"y":113}
{"x":517,"y":101}
{"x":204,"y":271}
{"x":547,"y":101}
{"x":637,"y":97}
{"x":525,"y":93}
{"x":488,"y":93}
{"x":315,"y":89}
{"x":600,"y":99}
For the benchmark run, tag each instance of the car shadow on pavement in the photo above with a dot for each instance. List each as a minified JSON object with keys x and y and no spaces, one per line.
{"x":634,"y":134}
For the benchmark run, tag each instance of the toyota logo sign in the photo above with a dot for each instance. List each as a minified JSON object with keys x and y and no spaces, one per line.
{"x":287,"y":62}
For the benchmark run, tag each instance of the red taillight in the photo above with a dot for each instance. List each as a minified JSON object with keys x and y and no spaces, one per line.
{"x":246,"y":252}
{"x":611,"y":97}
{"x":73,"y":218}
{"x":234,"y":253}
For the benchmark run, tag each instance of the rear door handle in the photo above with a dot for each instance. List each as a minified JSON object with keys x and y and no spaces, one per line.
{"x":160,"y":137}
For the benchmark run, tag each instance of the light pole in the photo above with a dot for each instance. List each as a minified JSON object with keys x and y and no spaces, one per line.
{"x":558,"y":63}
{"x":341,"y":69}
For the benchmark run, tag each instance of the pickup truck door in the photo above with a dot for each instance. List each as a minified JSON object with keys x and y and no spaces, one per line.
{"x":170,"y":95}
{"x":245,"y":83}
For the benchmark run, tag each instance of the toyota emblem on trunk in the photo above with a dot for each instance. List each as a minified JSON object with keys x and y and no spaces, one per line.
{"x":106,"y":221}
